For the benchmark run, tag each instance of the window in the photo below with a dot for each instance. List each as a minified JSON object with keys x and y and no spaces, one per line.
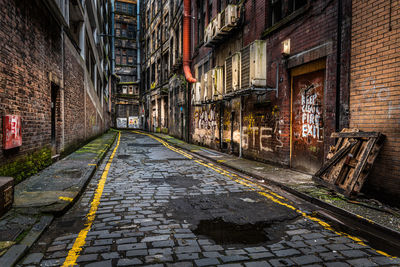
{"x":124,"y":89}
{"x":200,"y":21}
{"x":131,"y":89}
{"x":280,"y":9}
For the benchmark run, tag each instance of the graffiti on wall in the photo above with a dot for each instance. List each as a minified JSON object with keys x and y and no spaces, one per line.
{"x":373,"y":91}
{"x":311,"y":115}
{"x":261,"y":132}
{"x":206,"y":119}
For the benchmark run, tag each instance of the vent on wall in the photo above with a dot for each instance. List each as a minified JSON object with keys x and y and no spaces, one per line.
{"x":196,"y":98}
{"x":236,"y":62}
{"x":217,"y":83}
{"x":229,"y":18}
{"x":228,"y":75}
{"x":204,"y":83}
{"x":208,"y":93}
{"x":254,"y":65}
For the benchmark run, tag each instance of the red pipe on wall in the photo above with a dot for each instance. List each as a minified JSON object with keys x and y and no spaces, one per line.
{"x":186,"y":42}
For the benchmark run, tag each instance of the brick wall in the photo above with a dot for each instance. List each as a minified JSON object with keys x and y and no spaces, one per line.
{"x":266,"y":119}
{"x":375,"y":86}
{"x":31,"y":60}
{"x":29,"y":50}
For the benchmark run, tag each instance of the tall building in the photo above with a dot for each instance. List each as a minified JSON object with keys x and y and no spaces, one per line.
{"x":126,"y":63}
{"x":54,"y":75}
{"x":155,"y":64}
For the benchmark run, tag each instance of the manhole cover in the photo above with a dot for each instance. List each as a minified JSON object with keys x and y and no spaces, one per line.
{"x":225,"y":233}
{"x":123,"y":156}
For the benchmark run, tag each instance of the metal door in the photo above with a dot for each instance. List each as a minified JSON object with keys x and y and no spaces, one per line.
{"x":307,"y":121}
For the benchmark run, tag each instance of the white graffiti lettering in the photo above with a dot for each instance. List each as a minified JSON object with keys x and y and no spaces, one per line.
{"x":311,"y":115}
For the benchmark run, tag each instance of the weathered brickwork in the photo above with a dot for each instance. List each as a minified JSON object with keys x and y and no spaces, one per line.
{"x":375,"y":86}
{"x":34,"y":57}
{"x":29,"y":51}
{"x":266,"y":119}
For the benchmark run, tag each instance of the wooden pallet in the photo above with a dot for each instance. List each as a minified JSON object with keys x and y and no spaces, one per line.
{"x":350,"y":161}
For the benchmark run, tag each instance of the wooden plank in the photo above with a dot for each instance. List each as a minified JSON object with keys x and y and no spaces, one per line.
{"x":369,"y":163}
{"x":360,"y":166}
{"x":338,"y":155}
{"x":355,"y":135}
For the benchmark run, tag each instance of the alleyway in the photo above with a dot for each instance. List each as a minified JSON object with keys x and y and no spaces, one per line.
{"x":161,"y":206}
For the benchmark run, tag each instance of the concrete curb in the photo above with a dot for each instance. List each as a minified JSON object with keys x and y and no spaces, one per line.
{"x":382,"y":232}
{"x":89,"y":174}
{"x":18,"y":251}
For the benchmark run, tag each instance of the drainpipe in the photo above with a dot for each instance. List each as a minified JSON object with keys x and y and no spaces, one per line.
{"x":338,"y":63}
{"x":240,"y":125}
{"x":138,"y":39}
{"x":186,"y":42}
{"x":112,"y":38}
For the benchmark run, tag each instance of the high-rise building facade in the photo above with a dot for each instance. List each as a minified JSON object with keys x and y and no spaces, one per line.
{"x":126,"y":63}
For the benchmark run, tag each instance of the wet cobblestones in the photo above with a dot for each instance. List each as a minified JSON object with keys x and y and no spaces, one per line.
{"x":134,"y":227}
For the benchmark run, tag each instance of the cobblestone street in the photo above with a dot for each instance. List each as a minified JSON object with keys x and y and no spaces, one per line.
{"x":161,"y":206}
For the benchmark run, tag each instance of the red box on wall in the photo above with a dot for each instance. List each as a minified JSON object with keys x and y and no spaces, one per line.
{"x":12,"y":136}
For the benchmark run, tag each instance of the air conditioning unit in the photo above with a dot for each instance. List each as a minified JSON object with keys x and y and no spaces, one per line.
{"x":217,"y":83}
{"x":236,"y":59}
{"x":196,"y":98}
{"x":228,"y":75}
{"x":207,"y":33}
{"x":229,"y":18}
{"x":203,"y":87}
{"x":254,"y":65}
{"x":208,"y":93}
{"x":216,"y":29}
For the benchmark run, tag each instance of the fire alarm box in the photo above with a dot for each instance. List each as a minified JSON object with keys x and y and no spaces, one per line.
{"x":12,"y":136}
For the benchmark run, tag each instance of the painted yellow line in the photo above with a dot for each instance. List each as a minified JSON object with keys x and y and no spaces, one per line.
{"x":80,"y":241}
{"x":92,"y":164}
{"x":70,"y":199}
{"x":276,"y":198}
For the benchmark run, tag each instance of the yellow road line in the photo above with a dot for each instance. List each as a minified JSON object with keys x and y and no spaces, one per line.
{"x":276,"y":198}
{"x":80,"y":241}
{"x":92,"y":164}
{"x":70,"y":199}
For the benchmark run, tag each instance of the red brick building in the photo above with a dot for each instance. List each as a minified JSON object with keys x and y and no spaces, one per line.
{"x":277,"y":99}
{"x":53,"y":73}
{"x":375,"y":86}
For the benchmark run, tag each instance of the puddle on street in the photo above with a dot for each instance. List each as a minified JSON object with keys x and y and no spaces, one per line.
{"x":227,"y":233}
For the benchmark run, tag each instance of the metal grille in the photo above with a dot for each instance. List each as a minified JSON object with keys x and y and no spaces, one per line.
{"x":228,"y":81}
{"x":245,"y":68}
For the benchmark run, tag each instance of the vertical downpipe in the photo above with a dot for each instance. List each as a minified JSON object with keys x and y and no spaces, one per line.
{"x":338,"y":64}
{"x":112,"y":38}
{"x":62,"y":90}
{"x":240,"y":125}
{"x":137,"y":40}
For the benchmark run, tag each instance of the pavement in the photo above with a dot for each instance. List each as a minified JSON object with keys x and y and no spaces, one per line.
{"x":368,"y":211}
{"x":154,"y":204}
{"x":50,"y":193}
